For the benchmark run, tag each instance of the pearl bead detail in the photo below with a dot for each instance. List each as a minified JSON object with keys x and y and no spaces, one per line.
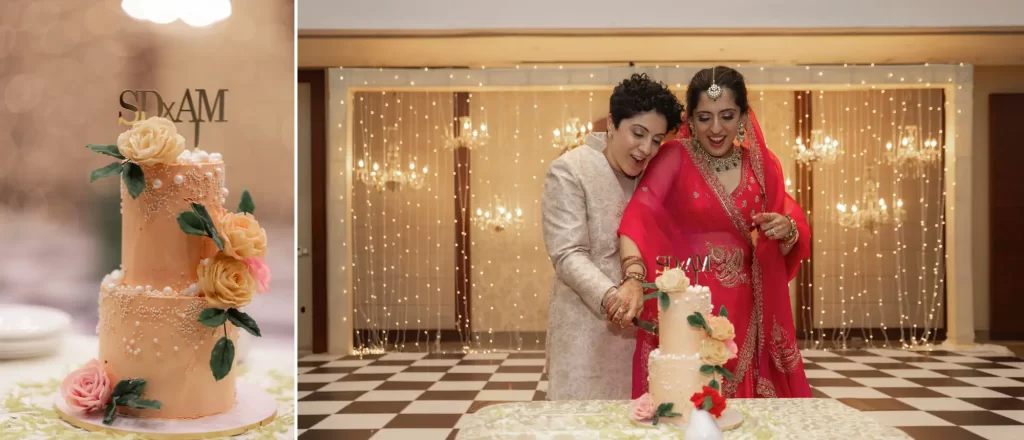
{"x":148,"y":287}
{"x":139,"y":289}
{"x":179,"y":179}
{"x":155,"y":341}
{"x":157,"y":183}
{"x":175,"y":348}
{"x":209,"y":175}
{"x":224,"y":192}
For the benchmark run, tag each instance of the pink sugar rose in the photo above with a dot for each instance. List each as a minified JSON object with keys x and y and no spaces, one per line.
{"x":260,"y":272}
{"x":643,"y":408}
{"x":88,"y":388}
{"x":733,"y":349}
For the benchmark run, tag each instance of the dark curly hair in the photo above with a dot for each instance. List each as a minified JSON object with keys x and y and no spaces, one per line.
{"x":640,"y":94}
{"x":726,"y":78}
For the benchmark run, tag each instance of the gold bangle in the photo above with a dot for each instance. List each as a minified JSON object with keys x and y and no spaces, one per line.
{"x":633,"y":260}
{"x":636,"y":276}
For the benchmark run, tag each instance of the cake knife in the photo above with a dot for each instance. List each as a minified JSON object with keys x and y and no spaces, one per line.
{"x":646,"y":325}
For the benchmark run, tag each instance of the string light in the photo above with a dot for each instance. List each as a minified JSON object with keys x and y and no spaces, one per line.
{"x":892,"y":276}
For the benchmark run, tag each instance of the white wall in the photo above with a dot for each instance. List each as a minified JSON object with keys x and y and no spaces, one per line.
{"x":665,"y":14}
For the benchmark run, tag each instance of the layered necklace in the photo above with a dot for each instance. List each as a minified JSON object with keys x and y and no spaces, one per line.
{"x":732,"y":159}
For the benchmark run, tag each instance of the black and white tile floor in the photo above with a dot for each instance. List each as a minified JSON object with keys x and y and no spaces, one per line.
{"x":934,"y":395}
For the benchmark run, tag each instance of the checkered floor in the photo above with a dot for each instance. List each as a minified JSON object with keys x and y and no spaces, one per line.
{"x":935,"y":395}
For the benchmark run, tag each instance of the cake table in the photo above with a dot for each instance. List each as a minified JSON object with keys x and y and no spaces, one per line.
{"x":764,"y":419}
{"x":28,"y":386}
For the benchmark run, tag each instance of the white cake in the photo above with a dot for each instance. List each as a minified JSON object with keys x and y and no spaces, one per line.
{"x":674,"y":367}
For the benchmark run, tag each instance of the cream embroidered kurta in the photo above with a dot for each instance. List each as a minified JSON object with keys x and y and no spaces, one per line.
{"x":587,"y":356}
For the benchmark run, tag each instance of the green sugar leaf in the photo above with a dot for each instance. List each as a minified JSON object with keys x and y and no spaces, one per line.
{"x":649,"y":286}
{"x":222,"y":357}
{"x":208,"y":224}
{"x":190,"y":223}
{"x":714,"y":385}
{"x":246,"y":204}
{"x":143,"y":404}
{"x":134,"y":179}
{"x":664,"y":301}
{"x":651,"y":295}
{"x":107,"y":171}
{"x":213,"y":317}
{"x":695,"y":321}
{"x":244,"y":321}
{"x":109,"y":150}
{"x":708,"y":404}
{"x":129,"y":387}
{"x":723,"y":371}
{"x":707,"y":369}
{"x":108,"y":415}
{"x":722,"y":312}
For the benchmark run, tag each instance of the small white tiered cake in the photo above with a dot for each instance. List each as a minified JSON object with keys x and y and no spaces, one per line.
{"x":674,"y":367}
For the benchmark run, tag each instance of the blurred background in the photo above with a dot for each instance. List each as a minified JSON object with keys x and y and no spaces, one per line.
{"x":63,"y":65}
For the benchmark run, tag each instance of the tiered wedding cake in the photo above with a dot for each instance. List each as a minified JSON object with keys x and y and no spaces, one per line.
{"x":169,"y":318}
{"x":686,"y":370}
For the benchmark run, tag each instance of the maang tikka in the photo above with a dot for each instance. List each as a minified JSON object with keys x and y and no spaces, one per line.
{"x":714,"y":92}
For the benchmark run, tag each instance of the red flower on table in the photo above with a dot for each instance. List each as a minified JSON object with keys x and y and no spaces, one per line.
{"x":709,"y":400}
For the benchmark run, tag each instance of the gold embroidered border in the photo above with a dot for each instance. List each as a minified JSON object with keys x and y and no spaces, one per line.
{"x":786,"y":356}
{"x":728,"y":264}
{"x":753,"y":340}
{"x":765,"y":388}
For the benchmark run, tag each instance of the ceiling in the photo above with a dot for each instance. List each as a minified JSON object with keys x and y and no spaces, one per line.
{"x":984,"y":46}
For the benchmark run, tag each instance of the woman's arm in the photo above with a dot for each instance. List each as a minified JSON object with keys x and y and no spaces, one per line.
{"x":567,"y":236}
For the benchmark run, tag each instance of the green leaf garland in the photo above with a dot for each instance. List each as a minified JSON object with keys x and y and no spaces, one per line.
{"x":191,"y":224}
{"x":714,"y":385}
{"x":127,"y":392}
{"x":664,"y":410}
{"x":723,"y":371}
{"x":707,"y":369}
{"x":246,"y":205}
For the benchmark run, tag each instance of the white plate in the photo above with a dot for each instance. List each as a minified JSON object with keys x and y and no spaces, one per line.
{"x":30,"y":348}
{"x":23,"y":322}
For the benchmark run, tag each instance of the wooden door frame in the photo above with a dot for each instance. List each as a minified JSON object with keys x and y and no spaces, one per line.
{"x":995,"y":106}
{"x":317,"y":80}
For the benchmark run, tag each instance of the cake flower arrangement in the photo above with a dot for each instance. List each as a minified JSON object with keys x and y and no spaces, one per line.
{"x":88,"y":389}
{"x":718,"y":346}
{"x":229,"y":279}
{"x":153,"y":141}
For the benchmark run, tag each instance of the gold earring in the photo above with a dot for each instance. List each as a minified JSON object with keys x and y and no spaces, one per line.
{"x":740,"y":135}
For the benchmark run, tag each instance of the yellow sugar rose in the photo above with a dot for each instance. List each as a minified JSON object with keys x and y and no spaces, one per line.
{"x":226,"y":282}
{"x":714,"y":352}
{"x":242,"y":235}
{"x":151,"y":142}
{"x":721,"y":328}
{"x":672,"y":280}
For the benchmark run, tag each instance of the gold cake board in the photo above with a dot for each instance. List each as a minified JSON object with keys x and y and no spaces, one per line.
{"x":253,"y":408}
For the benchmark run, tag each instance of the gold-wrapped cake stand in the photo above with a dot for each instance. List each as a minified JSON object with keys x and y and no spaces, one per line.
{"x":253,"y":408}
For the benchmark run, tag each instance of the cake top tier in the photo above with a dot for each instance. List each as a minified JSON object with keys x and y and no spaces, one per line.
{"x":177,"y":238}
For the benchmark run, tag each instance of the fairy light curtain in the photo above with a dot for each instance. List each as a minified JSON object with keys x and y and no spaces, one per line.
{"x":398,"y":271}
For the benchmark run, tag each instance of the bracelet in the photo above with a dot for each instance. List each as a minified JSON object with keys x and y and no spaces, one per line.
{"x":634,"y":275}
{"x":634,"y":260}
{"x":793,"y":235}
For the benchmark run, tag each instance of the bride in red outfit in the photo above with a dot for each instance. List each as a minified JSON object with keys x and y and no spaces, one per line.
{"x":717,"y":191}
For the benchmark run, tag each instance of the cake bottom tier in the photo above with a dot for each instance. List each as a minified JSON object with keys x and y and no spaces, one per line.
{"x":674,"y":378}
{"x":160,"y":340}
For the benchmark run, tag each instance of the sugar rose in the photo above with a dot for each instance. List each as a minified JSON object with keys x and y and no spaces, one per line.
{"x":721,"y":328}
{"x":88,"y":388}
{"x":243,"y":237}
{"x":226,"y":282}
{"x":672,"y":280}
{"x":714,"y":352}
{"x":151,"y":142}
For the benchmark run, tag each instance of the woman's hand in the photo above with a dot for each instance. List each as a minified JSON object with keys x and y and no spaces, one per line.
{"x":775,"y":226}
{"x":625,"y":303}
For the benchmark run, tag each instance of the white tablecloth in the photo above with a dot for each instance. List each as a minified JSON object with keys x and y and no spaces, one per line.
{"x":26,"y":384}
{"x":764,"y":419}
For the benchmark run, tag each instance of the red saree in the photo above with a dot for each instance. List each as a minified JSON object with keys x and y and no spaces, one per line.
{"x":680,"y":209}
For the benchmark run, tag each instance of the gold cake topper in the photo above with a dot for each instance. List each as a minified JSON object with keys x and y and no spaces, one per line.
{"x":135,"y":101}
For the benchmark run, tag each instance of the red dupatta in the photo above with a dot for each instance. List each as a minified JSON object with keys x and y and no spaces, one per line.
{"x":680,"y":209}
